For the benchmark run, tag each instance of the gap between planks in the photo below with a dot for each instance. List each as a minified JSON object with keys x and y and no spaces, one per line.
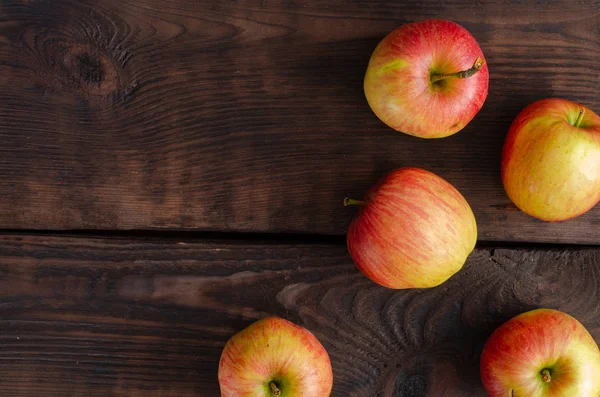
{"x":270,"y":238}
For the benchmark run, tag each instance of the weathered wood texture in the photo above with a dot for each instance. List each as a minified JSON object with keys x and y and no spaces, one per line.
{"x":250,"y":116}
{"x":143,"y":318}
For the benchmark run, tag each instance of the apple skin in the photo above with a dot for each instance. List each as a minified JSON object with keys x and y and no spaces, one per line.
{"x":415,"y":231}
{"x":398,"y":83}
{"x":551,"y":168}
{"x":279,"y":351}
{"x":519,"y":350}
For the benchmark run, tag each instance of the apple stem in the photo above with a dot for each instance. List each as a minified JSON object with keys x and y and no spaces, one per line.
{"x":580,"y":117}
{"x":479,"y":62}
{"x":348,"y":201}
{"x":274,"y":389}
{"x":546,"y":377}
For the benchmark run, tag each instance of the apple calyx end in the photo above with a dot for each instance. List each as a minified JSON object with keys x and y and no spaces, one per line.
{"x":348,"y":201}
{"x":579,"y":117}
{"x":274,"y":389}
{"x":477,"y":65}
{"x":546,"y":377}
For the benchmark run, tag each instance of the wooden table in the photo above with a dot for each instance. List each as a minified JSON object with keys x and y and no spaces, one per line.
{"x":171,"y":171}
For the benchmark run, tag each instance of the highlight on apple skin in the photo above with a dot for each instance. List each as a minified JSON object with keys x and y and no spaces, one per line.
{"x":427,"y":79}
{"x":541,"y":353}
{"x":551,"y":160}
{"x":413,"y":230}
{"x":274,"y":357}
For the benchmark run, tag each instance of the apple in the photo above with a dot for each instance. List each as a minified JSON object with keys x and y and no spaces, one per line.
{"x":551,"y":160}
{"x":427,"y":79}
{"x":274,"y":357}
{"x":413,"y":230}
{"x":541,"y":353}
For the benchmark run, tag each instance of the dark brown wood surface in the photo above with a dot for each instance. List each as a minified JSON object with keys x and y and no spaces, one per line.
{"x":250,"y":116}
{"x":148,"y":317}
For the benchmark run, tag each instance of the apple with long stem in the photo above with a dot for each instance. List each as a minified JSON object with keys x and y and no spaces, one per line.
{"x":413,"y":230}
{"x":541,"y":353}
{"x":551,"y":159}
{"x":428,"y":79}
{"x":274,"y":357}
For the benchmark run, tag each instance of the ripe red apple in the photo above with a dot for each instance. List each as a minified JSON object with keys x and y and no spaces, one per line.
{"x":427,"y":79}
{"x":541,"y":353}
{"x":414,"y":230}
{"x":551,"y":160}
{"x":274,"y":358}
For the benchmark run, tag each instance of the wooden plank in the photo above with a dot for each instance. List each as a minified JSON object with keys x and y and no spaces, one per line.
{"x":98,"y":316}
{"x":250,"y":116}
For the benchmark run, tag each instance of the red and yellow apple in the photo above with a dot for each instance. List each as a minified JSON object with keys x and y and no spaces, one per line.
{"x":551,"y":160}
{"x":541,"y":353}
{"x":427,"y":79}
{"x":274,"y":357}
{"x":413,"y":230}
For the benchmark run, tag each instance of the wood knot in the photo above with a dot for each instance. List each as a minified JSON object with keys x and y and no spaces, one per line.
{"x":90,"y":68}
{"x":66,"y":58}
{"x":87,"y":70}
{"x":404,"y":382}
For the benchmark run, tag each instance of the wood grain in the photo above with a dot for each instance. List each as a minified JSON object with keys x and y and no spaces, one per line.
{"x":250,"y":116}
{"x":143,"y":317}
